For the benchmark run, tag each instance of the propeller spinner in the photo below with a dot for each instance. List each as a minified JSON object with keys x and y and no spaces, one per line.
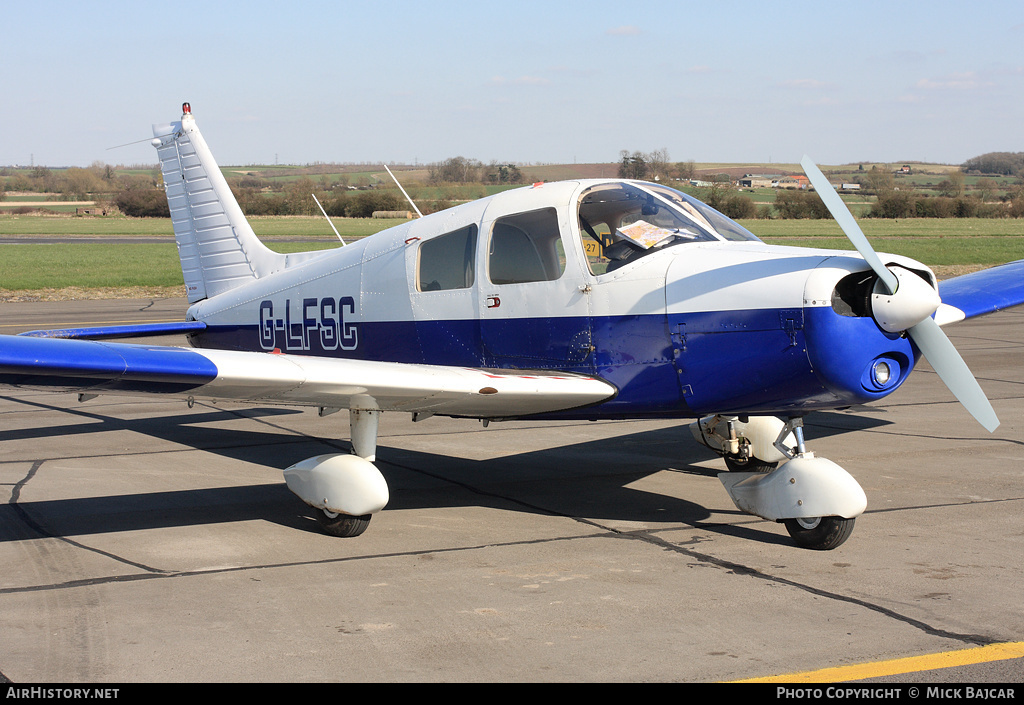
{"x":903,"y":301}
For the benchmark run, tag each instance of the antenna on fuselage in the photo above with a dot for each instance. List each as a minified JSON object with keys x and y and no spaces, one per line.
{"x":403,"y":192}
{"x":328,"y":219}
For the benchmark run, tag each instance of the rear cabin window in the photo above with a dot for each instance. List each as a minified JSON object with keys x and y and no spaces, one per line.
{"x":526,"y":247}
{"x":446,"y":261}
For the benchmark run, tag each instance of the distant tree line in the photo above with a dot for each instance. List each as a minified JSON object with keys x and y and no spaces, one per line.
{"x":906,"y":204}
{"x":725,"y":199}
{"x":142,"y":203}
{"x":74,"y":183}
{"x":139,"y":193}
{"x":297,"y":199}
{"x":459,"y":170}
{"x":654,"y":166}
{"x":798,"y":204}
{"x":1001,"y":163}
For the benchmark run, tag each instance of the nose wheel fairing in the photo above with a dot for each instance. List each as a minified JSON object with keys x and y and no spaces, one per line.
{"x":805,"y":488}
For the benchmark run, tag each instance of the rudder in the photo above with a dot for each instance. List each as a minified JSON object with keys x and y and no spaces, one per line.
{"x":218,"y":249}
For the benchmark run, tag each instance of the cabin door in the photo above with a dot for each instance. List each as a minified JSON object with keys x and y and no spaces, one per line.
{"x":534,"y":300}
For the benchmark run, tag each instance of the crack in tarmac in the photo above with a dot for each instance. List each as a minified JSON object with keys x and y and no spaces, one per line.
{"x":646,"y":536}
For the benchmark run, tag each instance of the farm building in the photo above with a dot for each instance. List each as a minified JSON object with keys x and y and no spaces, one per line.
{"x":794,"y":182}
{"x":758,"y":180}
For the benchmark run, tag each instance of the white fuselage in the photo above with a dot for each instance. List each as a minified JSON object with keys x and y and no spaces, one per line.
{"x":703,"y":326}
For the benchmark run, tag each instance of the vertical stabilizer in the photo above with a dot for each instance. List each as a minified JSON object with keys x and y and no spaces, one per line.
{"x":217,"y":247}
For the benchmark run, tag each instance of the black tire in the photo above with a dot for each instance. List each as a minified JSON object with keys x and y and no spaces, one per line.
{"x":820,"y":533}
{"x":342,"y":525}
{"x":735,"y":464}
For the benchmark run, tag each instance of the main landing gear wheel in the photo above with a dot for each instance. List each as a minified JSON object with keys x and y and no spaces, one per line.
{"x":819,"y":533}
{"x":341,"y":525}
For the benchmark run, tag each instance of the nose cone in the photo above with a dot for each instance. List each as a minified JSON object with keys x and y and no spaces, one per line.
{"x":913,"y":301}
{"x":855,"y":330}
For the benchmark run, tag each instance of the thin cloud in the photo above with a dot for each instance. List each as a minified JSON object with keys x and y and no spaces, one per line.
{"x":965,"y":80}
{"x":910,"y":98}
{"x":519,"y":81}
{"x":805,"y":84}
{"x":826,"y":101}
{"x":627,"y":30}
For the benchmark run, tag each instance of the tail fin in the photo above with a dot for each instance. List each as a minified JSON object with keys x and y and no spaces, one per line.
{"x":218,"y":249}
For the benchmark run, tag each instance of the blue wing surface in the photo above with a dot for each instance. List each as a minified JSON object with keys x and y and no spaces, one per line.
{"x":987,"y":291}
{"x":84,"y":365}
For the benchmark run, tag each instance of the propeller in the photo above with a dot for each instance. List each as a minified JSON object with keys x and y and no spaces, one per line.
{"x":910,"y":308}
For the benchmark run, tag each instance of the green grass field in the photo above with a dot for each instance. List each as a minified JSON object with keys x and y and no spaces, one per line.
{"x":88,"y":265}
{"x":121,"y":226}
{"x":92,"y":265}
{"x":98,"y":265}
{"x":934,"y":252}
{"x":882,"y":228}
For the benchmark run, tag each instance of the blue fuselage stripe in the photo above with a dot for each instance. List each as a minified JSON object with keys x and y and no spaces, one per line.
{"x":677,"y":365}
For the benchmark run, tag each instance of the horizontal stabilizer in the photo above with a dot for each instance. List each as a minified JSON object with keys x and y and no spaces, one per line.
{"x":142,"y":330}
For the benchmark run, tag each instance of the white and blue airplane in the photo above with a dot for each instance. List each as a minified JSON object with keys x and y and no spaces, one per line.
{"x":586,"y":299}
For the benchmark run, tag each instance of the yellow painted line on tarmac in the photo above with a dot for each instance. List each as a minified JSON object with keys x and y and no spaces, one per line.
{"x":912,"y":664}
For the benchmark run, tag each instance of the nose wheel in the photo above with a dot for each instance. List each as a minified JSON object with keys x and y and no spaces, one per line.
{"x":819,"y":533}
{"x":341,"y":525}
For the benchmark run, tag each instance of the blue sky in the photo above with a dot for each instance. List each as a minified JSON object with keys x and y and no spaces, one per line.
{"x":555,"y":81}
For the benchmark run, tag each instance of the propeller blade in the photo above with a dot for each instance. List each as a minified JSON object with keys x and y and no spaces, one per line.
{"x":953,"y":371}
{"x":927,"y":335}
{"x":847,"y":223}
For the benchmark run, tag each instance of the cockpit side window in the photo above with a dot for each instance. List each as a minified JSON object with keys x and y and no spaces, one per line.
{"x":526,"y":248}
{"x":447,"y":261}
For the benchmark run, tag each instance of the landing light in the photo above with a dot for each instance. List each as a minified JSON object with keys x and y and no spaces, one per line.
{"x":881,"y":373}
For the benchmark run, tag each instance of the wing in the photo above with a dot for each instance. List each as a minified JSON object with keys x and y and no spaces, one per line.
{"x":93,"y":367}
{"x":987,"y":291}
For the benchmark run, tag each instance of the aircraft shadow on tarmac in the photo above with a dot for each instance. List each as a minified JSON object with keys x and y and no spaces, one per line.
{"x":588,"y":479}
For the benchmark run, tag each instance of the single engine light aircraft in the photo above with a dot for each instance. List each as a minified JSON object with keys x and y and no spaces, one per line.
{"x":586,"y":299}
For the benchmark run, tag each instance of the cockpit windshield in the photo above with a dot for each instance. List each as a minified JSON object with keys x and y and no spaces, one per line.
{"x":620,"y":222}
